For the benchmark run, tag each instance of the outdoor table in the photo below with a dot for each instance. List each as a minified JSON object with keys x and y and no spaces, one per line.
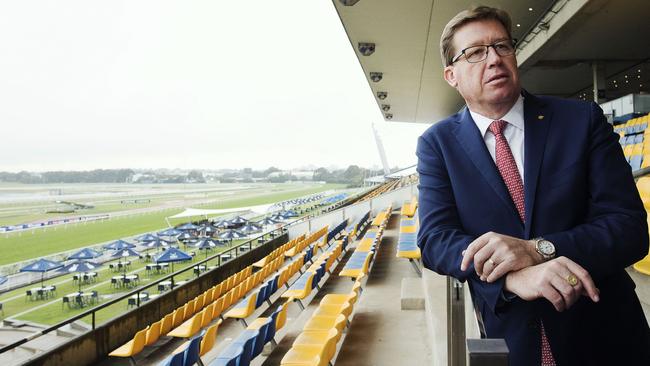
{"x":142,"y":295}
{"x":86,"y":277}
{"x":42,"y":292}
{"x":157,"y":267}
{"x":164,"y":285}
{"x":80,"y":299}
{"x":130,"y":278}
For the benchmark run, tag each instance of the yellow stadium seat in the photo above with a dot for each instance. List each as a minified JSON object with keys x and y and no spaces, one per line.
{"x":244,"y":309}
{"x":189,"y":328}
{"x":132,"y":347}
{"x":167,"y":323}
{"x":643,"y":266}
{"x":153,"y":333}
{"x":209,"y":338}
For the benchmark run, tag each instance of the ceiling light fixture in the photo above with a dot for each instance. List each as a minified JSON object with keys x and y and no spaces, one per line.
{"x":382,"y":95}
{"x":388,"y":116}
{"x":348,"y":2}
{"x":530,"y":9}
{"x":376,"y":76}
{"x":385,"y":107}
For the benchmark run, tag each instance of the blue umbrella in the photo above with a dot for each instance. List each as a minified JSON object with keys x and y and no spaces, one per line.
{"x":41,"y":265}
{"x":207,"y":229}
{"x":147,"y":237}
{"x":123,"y":253}
{"x":238,"y":220}
{"x":221,"y":224}
{"x":250,"y":228}
{"x":85,"y":253}
{"x":81,"y":266}
{"x":188,"y":226}
{"x":267,"y":221}
{"x":169,"y":232}
{"x":119,"y":244}
{"x":172,"y":255}
{"x":185,"y":236}
{"x":289,"y":213}
{"x":205,"y":244}
{"x":278,"y":217}
{"x":231,"y":234}
{"x":156,"y":243}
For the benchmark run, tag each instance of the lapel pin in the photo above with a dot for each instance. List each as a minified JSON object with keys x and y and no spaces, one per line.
{"x":540,"y":117}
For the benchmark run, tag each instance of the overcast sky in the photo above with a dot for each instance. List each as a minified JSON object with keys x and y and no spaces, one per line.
{"x":185,"y":84}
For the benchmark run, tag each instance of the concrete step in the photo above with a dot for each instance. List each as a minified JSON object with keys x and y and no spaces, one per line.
{"x":412,"y":294}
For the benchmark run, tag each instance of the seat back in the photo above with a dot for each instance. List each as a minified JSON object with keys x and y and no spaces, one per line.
{"x":167,"y":323}
{"x":261,"y":296}
{"x":281,"y":317}
{"x":153,"y":333}
{"x":138,"y":341}
{"x":209,"y":338}
{"x":175,"y":360}
{"x":218,"y":308}
{"x":207,"y":315}
{"x":192,"y":351}
{"x":247,"y":354}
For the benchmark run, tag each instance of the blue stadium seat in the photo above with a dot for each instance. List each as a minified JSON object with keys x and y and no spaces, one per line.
{"x":635,"y":162}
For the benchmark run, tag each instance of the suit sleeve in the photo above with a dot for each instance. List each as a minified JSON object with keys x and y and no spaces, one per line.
{"x":614,"y":233}
{"x":441,"y":237}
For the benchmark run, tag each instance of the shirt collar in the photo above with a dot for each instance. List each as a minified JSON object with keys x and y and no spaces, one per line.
{"x":515,"y":117}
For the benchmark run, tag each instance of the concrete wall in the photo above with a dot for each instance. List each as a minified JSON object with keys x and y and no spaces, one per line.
{"x":96,"y":344}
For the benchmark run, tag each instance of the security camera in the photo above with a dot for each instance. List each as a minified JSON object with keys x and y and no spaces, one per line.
{"x":382,"y":95}
{"x":385,"y":107}
{"x":376,"y":76}
{"x":388,"y":116}
{"x":366,"y":48}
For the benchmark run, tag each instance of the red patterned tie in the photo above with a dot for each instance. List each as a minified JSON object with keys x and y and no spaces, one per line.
{"x":510,"y":174}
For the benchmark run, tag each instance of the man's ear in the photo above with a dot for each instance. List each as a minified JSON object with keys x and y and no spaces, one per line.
{"x":450,"y":76}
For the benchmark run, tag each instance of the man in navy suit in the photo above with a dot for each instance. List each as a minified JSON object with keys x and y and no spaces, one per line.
{"x":530,"y":200}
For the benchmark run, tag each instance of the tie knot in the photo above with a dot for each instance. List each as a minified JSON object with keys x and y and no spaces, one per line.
{"x":497,"y":127}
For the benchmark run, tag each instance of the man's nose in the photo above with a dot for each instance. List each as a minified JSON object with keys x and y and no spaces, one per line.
{"x":493,"y":57}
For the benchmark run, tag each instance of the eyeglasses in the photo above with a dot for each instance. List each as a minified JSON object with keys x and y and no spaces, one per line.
{"x":479,"y":52}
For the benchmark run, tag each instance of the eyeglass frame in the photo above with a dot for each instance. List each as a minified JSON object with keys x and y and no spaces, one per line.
{"x":513,"y":42}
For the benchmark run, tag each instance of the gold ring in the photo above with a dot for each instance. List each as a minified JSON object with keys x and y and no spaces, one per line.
{"x":491,"y":261}
{"x":572,"y":279}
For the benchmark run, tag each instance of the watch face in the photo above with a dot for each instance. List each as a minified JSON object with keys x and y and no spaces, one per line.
{"x":546,"y":247}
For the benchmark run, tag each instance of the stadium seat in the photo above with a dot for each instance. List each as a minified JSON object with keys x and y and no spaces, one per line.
{"x":153,"y":333}
{"x":643,"y":266}
{"x":132,"y":347}
{"x":243,"y":309}
{"x":209,"y":338}
{"x":189,"y":327}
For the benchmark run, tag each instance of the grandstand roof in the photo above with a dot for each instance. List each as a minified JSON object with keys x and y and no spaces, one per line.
{"x":580,"y":32}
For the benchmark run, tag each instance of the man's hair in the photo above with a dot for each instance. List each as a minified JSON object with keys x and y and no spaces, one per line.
{"x":467,"y":16}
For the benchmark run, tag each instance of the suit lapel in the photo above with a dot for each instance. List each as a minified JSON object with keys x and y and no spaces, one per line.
{"x":470,"y":139}
{"x":537,"y":119}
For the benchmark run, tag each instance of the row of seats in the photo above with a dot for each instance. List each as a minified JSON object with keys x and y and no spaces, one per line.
{"x":633,"y":137}
{"x":320,"y":234}
{"x":317,"y":343}
{"x":309,"y":280}
{"x":407,"y":246}
{"x":278,"y":252}
{"x":409,"y":207}
{"x":197,"y":313}
{"x":360,"y":260}
{"x":249,"y":343}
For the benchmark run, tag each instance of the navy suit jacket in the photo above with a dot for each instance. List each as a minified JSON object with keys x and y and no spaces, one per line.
{"x":579,"y":194}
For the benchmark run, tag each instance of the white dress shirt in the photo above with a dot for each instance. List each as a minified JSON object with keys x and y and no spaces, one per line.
{"x":514,"y":133}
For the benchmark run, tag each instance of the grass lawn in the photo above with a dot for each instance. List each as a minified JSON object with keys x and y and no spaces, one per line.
{"x":38,"y":243}
{"x":52,"y":310}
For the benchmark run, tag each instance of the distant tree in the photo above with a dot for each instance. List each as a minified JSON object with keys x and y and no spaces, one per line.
{"x":271,"y":170}
{"x":195,"y":176}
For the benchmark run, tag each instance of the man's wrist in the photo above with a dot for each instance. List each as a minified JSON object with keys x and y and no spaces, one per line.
{"x":532,"y":247}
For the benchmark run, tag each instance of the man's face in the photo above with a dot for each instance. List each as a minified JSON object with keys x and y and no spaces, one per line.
{"x":490,"y":83}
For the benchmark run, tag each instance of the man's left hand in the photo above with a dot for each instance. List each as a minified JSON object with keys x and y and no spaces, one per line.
{"x":494,"y":255}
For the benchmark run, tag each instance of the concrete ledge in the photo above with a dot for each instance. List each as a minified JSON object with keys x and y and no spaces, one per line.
{"x":412,"y":294}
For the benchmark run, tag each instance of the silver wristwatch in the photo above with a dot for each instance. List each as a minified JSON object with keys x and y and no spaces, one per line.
{"x":545,"y":248}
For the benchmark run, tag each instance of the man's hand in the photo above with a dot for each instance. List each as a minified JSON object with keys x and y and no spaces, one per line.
{"x":550,"y":281}
{"x":494,"y":255}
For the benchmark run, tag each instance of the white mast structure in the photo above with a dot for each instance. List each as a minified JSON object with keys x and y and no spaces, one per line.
{"x":382,"y":152}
